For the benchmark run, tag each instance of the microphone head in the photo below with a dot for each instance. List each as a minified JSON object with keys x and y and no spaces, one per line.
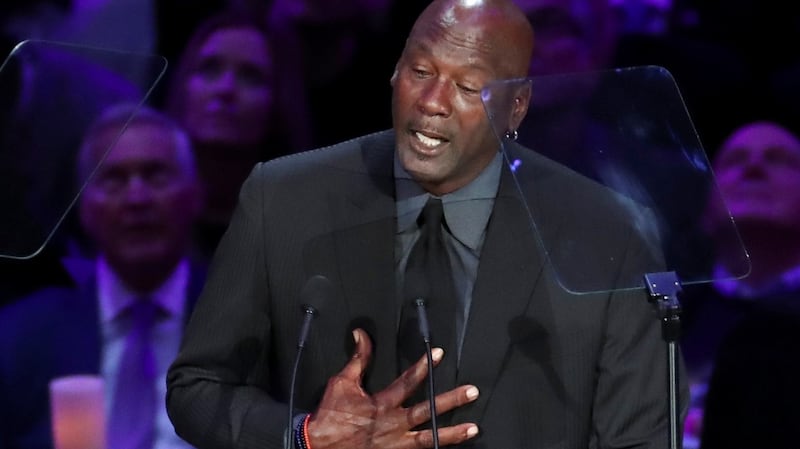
{"x":317,"y":291}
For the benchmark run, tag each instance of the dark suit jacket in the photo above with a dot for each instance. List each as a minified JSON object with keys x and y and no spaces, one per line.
{"x":51,"y":333}
{"x":555,"y":370}
{"x":753,"y":346}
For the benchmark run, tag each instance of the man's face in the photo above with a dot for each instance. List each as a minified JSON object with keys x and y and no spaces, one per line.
{"x":758,"y":172}
{"x":229,"y":92}
{"x":444,"y":138}
{"x":140,"y":205}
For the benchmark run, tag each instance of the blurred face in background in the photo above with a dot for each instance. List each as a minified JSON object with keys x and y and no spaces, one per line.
{"x":572,"y":36}
{"x":140,"y":205}
{"x":322,"y":11}
{"x":561,"y":43}
{"x":758,"y":172}
{"x":229,"y":94}
{"x":643,"y":16}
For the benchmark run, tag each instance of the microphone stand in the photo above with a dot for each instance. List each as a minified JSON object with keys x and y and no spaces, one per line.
{"x":301,"y":343}
{"x":424,"y":331}
{"x":664,"y":288}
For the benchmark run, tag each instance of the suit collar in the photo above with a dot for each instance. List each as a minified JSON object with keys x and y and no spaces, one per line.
{"x":362,"y":212}
{"x":466,"y":210}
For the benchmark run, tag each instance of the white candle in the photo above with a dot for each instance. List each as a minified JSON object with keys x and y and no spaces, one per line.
{"x":77,"y":410}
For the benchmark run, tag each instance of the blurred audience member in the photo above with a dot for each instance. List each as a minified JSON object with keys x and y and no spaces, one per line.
{"x":138,"y":26}
{"x":572,"y":36}
{"x":346,"y":53}
{"x":49,"y":94}
{"x":713,"y":77}
{"x":225,"y":93}
{"x":32,"y":19}
{"x":745,"y":333}
{"x":120,"y":25}
{"x":648,"y":17}
{"x":609,"y":125}
{"x":138,"y":210}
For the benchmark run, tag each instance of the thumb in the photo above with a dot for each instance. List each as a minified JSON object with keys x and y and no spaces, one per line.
{"x":355,"y":368}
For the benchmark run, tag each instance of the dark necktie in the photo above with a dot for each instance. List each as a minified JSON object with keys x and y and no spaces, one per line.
{"x":428,"y":275}
{"x":133,"y":412}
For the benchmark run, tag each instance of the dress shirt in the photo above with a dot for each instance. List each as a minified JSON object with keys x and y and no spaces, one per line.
{"x":466,"y":211}
{"x":114,"y":297}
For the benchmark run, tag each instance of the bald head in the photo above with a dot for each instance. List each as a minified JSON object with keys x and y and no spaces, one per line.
{"x":455,"y":50}
{"x":758,"y":173}
{"x":496,"y":27}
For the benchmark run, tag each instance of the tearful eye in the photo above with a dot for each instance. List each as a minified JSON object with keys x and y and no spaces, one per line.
{"x":420,"y":73}
{"x":468,"y":90}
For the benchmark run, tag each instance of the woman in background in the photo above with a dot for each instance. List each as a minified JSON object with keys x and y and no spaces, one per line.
{"x":230,"y":95}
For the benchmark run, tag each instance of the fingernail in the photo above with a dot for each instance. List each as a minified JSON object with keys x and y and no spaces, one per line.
{"x":472,"y":431}
{"x":356,"y":336}
{"x":437,"y":354}
{"x":472,"y":393}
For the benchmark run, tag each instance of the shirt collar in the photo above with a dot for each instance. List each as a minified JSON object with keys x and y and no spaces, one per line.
{"x":114,"y":296}
{"x":466,"y":210}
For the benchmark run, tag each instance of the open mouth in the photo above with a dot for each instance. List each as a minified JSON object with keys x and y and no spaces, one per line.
{"x":428,"y":141}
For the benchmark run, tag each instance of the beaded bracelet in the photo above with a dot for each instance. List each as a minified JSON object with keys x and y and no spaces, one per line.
{"x":301,"y":433}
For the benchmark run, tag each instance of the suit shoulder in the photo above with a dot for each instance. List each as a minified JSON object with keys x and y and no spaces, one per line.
{"x":347,"y":156}
{"x":586,"y":195}
{"x":36,"y":310}
{"x":44,"y":298}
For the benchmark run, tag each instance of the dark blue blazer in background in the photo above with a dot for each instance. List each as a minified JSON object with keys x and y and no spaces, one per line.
{"x":53,"y":332}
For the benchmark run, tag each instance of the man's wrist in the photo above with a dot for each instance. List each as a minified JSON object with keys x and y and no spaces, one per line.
{"x":301,"y":432}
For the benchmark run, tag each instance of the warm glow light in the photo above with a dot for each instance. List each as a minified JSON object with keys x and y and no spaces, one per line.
{"x":77,"y":410}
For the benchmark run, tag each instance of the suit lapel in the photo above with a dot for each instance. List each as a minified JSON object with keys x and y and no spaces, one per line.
{"x":364,"y":248}
{"x":509,"y":270}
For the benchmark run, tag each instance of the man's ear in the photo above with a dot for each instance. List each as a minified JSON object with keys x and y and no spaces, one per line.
{"x":394,"y":76}
{"x":519,"y":108}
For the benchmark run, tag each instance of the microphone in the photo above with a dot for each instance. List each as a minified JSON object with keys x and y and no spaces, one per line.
{"x":317,"y":290}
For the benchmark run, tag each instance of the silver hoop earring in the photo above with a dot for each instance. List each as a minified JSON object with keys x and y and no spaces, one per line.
{"x":513,"y":135}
